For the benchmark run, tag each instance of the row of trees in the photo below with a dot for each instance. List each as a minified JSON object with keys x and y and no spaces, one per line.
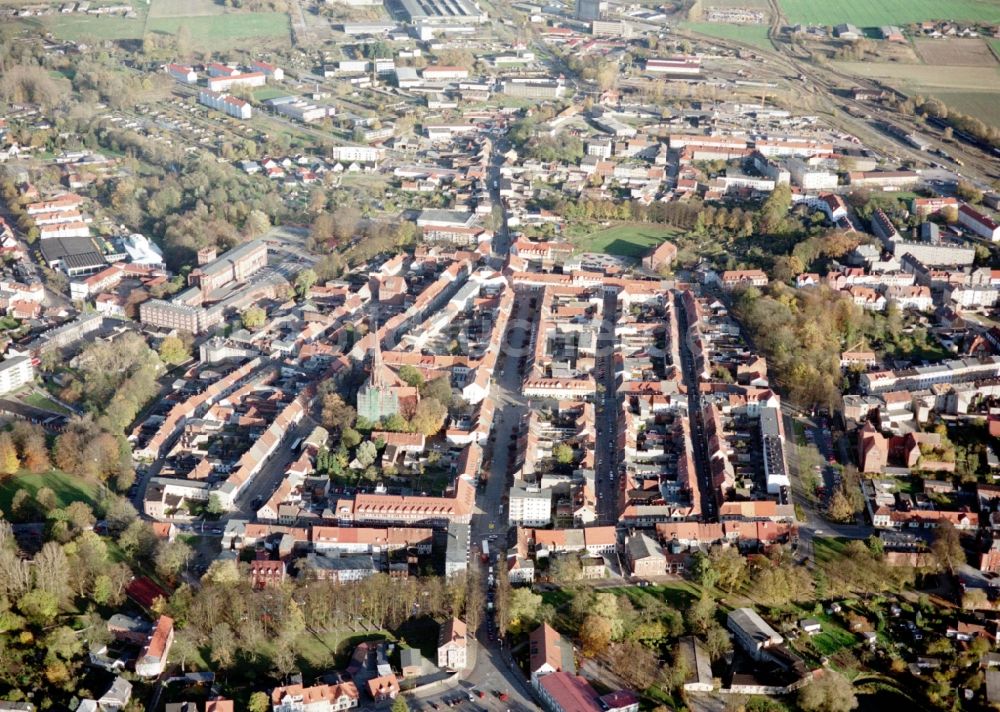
{"x":238,"y":624}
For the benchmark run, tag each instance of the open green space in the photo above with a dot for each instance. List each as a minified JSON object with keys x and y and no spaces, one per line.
{"x":984,"y":105}
{"x":678,"y":594}
{"x":871,"y":13}
{"x":42,"y":402}
{"x":265,"y":93}
{"x":626,"y":240}
{"x":833,"y":638}
{"x":755,"y":35}
{"x":67,"y":488}
{"x":185,"y":8}
{"x":223,"y":31}
{"x":88,"y":28}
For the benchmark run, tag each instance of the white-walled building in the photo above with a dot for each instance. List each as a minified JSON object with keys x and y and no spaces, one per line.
{"x":529,"y":506}
{"x":237,"y":108}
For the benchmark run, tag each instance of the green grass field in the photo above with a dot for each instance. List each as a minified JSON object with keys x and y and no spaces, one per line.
{"x":755,"y":35}
{"x":37,"y":400}
{"x":981,"y":104}
{"x":80,"y":28}
{"x":67,"y":488}
{"x":185,"y":8}
{"x":871,"y":13}
{"x":265,"y":93}
{"x":222,"y":31}
{"x":625,"y":240}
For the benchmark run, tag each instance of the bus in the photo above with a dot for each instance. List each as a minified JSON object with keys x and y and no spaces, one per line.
{"x":485,"y":556}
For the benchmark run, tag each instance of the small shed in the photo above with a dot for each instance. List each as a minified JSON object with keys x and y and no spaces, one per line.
{"x":810,"y":626}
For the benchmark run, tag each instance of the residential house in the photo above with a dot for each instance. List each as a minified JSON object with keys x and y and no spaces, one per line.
{"x":383,"y":687}
{"x":645,"y":556}
{"x":452,"y":645}
{"x":548,"y":652}
{"x":318,"y":698}
{"x":153,"y":656}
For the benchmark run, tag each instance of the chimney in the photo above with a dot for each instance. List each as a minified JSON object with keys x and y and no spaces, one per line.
{"x":206,"y":255}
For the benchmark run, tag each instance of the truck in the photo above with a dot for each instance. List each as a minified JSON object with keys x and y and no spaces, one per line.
{"x":485,"y":555}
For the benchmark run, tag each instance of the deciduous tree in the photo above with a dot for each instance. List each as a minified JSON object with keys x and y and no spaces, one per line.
{"x":828,"y":692}
{"x":9,"y":462}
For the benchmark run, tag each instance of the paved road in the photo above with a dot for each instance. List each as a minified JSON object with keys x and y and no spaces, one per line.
{"x":814,"y":523}
{"x":608,"y":485}
{"x":694,"y":415}
{"x":493,"y":671}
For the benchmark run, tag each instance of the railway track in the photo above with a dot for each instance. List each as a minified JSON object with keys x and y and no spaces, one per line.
{"x":849,"y":112}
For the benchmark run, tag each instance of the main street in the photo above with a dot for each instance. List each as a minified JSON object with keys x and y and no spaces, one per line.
{"x":694,"y":413}
{"x":493,"y":670}
{"x":606,"y":460}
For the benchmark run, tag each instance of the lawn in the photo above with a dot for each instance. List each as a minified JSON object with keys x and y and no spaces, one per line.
{"x":626,"y":240}
{"x":755,"y":35}
{"x":216,"y":32}
{"x":68,"y":488}
{"x":678,"y":594}
{"x":871,"y":13}
{"x":828,"y":548}
{"x":42,"y":402}
{"x":265,"y":93}
{"x":833,"y":638}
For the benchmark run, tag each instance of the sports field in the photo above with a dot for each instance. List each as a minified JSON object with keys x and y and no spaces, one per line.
{"x":625,"y":240}
{"x":871,"y":13}
{"x":755,"y":35}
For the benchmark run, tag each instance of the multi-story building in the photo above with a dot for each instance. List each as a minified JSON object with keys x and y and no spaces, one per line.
{"x":153,"y":656}
{"x":236,"y":265}
{"x":645,"y":556}
{"x":772,"y":438}
{"x":225,"y":83}
{"x":182,"y":73}
{"x":318,"y":698}
{"x":452,"y":645}
{"x":529,"y":506}
{"x":548,"y":652}
{"x":237,"y":108}
{"x":15,"y":372}
{"x":359,"y":154}
{"x":590,"y":10}
{"x":166,"y":315}
{"x":980,"y":223}
{"x":274,"y":72}
{"x":533,"y":88}
{"x":340,"y":569}
{"x":404,"y":510}
{"x":752,"y":633}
